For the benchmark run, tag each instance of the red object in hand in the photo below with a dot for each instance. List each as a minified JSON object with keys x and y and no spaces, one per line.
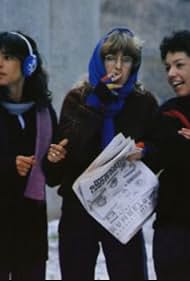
{"x":180,"y":116}
{"x":140,"y":145}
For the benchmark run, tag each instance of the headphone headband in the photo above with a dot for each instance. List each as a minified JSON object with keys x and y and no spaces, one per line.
{"x":26,"y":41}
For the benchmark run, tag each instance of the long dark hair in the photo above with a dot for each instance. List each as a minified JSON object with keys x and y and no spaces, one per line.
{"x":36,"y":86}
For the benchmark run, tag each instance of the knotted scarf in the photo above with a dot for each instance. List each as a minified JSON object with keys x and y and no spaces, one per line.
{"x":96,"y":72}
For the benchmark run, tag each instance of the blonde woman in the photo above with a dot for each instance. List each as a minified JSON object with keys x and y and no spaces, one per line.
{"x":92,"y":114}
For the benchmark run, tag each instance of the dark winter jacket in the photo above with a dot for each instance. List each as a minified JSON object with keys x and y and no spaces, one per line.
{"x":171,"y":154}
{"x":23,"y":235}
{"x":82,"y":126}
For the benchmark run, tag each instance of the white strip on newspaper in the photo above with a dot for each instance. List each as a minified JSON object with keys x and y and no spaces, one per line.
{"x":119,"y":194}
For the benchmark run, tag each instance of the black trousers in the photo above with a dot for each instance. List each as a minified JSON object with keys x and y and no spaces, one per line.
{"x":79,"y":248}
{"x":27,"y":271}
{"x":171,"y":253}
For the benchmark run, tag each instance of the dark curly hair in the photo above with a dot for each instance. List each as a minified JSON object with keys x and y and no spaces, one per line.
{"x":178,"y":42}
{"x":36,"y":86}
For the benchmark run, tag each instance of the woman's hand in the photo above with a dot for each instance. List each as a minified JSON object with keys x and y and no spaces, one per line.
{"x":57,"y":152}
{"x":136,"y":156}
{"x":185,"y":133}
{"x":24,"y":165}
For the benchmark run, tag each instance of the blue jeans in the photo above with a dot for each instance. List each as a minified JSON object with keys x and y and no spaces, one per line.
{"x":171,"y":253}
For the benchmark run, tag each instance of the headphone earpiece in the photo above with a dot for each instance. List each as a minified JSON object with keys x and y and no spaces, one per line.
{"x":29,"y":65}
{"x":30,"y":62}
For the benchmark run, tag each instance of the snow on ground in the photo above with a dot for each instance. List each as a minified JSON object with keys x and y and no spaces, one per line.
{"x":53,"y":271}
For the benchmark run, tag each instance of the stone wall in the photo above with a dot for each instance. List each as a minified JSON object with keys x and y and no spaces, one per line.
{"x":74,"y":31}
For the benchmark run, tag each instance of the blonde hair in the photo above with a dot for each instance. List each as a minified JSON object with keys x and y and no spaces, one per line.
{"x":120,"y":41}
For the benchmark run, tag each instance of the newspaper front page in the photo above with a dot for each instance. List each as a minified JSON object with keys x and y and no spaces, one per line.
{"x":119,"y":194}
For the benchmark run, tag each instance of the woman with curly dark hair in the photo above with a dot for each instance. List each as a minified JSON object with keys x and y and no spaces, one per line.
{"x":27,"y":125}
{"x":171,"y":137}
{"x":170,"y":143}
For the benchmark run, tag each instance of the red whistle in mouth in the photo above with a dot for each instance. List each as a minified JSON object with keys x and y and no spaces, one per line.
{"x":107,"y":79}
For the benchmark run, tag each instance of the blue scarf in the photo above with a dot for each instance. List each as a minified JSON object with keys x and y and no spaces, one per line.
{"x":96,"y":72}
{"x":18,"y":110}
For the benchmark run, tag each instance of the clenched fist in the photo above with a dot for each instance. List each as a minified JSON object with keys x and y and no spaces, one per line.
{"x":24,"y":165}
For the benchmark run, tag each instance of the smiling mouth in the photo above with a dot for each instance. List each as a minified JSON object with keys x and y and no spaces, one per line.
{"x":177,"y":85}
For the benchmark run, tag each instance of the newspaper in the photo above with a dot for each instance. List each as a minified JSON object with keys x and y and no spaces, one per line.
{"x":119,"y":194}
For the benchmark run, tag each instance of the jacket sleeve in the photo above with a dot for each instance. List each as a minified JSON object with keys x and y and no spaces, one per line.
{"x":169,"y":149}
{"x":8,"y":166}
{"x":48,"y":168}
{"x":150,"y":110}
{"x":79,"y":124}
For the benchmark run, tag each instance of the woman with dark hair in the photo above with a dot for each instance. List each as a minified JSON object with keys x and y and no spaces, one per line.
{"x":171,"y":136}
{"x":27,"y":125}
{"x":93,"y":113}
{"x":170,"y":141}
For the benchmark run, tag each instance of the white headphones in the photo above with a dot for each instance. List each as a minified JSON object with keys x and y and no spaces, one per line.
{"x":30,"y":62}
